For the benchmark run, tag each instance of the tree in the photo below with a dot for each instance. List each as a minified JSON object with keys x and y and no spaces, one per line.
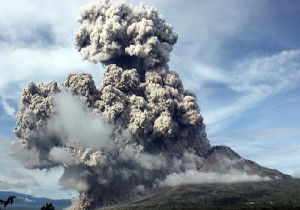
{"x":48,"y":206}
{"x":9,"y":200}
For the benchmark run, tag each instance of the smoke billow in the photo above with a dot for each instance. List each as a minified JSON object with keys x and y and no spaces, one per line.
{"x":117,"y":33}
{"x":126,"y":136}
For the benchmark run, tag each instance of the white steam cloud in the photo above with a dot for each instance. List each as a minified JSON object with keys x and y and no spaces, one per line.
{"x":193,"y":176}
{"x":78,"y":123}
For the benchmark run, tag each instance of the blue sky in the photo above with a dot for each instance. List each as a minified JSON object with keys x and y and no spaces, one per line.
{"x":241,"y":58}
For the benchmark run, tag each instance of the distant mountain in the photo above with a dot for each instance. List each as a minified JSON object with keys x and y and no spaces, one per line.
{"x":28,"y":202}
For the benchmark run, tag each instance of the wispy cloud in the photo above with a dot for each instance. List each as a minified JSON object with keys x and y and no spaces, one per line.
{"x":38,"y":49}
{"x":8,"y":109}
{"x":270,"y":74}
{"x":226,"y":55}
{"x":252,"y":81}
{"x":17,"y":179}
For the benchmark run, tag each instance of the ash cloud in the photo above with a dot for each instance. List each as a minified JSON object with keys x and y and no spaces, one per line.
{"x":118,"y":140}
{"x":117,"y":33}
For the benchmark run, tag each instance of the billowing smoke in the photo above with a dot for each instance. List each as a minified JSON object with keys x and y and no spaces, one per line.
{"x":123,"y":138}
{"x":117,"y":33}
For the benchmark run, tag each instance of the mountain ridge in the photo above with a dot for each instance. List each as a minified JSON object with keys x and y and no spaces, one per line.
{"x":222,"y":158}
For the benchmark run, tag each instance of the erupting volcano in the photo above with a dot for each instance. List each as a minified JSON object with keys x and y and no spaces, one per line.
{"x":137,"y":130}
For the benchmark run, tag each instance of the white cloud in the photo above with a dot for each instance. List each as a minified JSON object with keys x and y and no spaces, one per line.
{"x":40,"y":65}
{"x":9,"y":110}
{"x":270,"y":74}
{"x":253,"y":81}
{"x":6,"y":185}
{"x":209,"y":32}
{"x":36,"y":44}
{"x":195,"y":177}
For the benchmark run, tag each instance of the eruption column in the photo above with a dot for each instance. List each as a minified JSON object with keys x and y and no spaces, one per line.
{"x":116,"y":141}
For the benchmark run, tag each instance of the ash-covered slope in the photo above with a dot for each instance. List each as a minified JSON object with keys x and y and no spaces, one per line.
{"x":275,"y":194}
{"x":132,"y":134}
{"x":222,"y":160}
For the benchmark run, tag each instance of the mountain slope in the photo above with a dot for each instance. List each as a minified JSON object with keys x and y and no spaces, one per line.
{"x":281,"y":191}
{"x":222,"y":159}
{"x":275,"y":194}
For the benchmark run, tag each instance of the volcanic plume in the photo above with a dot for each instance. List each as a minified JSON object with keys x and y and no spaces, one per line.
{"x":123,"y":138}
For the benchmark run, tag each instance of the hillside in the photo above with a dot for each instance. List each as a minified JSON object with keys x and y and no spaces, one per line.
{"x":221,"y":159}
{"x":276,"y":194}
{"x":281,"y":191}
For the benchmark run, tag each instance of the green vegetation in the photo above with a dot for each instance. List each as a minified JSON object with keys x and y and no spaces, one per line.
{"x":277,"y":194}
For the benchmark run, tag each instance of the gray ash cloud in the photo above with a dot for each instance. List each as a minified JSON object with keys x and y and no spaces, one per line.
{"x":122,"y":138}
